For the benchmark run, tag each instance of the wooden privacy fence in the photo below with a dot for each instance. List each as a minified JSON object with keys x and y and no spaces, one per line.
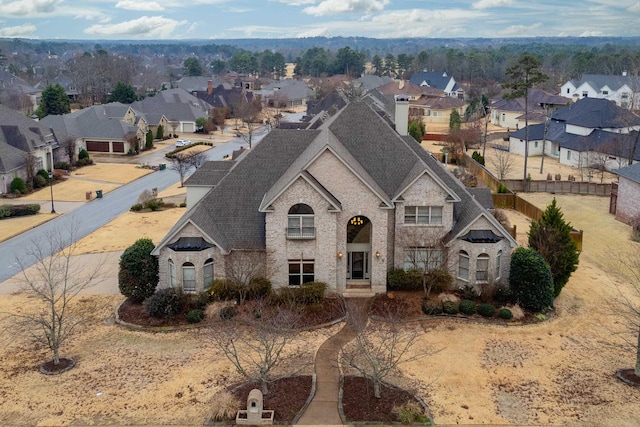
{"x":569,"y":187}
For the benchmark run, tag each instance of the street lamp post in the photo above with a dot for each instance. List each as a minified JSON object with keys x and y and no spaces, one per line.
{"x":51,"y":184}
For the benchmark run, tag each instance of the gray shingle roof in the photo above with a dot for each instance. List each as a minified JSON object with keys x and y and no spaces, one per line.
{"x":175,"y":104}
{"x":437,"y":79}
{"x":232,"y":214}
{"x":599,"y":81}
{"x":210,"y":173}
{"x":631,"y":172}
{"x":596,"y":113}
{"x":98,"y":121}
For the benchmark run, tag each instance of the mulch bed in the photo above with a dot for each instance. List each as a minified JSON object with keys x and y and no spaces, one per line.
{"x":63,"y":365}
{"x":359,"y":403}
{"x":405,"y":305}
{"x":329,"y":310}
{"x":286,"y":396}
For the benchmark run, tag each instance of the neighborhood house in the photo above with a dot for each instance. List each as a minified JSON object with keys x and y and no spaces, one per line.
{"x":342,"y":203}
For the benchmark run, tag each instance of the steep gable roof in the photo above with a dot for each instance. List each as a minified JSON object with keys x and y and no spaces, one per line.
{"x":175,"y":104}
{"x":436,"y":79}
{"x":98,"y":121}
{"x":600,"y":81}
{"x":631,"y":172}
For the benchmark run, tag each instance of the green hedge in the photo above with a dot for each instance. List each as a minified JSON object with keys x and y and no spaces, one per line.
{"x":307,"y":293}
{"x":10,"y":211}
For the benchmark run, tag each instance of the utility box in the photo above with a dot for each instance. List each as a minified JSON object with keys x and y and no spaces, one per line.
{"x":99,"y":194}
{"x":88,"y":195}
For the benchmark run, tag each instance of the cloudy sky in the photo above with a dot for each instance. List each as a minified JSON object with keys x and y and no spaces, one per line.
{"x":224,"y":19}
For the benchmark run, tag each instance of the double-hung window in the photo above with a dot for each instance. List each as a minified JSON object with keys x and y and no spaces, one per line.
{"x":188,"y":277}
{"x":482,"y":268}
{"x":463,"y":265}
{"x":423,"y":215}
{"x":301,"y":271}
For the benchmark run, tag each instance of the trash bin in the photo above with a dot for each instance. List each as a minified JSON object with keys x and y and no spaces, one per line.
{"x":99,"y":194}
{"x":163,"y":166}
{"x":88,"y":195}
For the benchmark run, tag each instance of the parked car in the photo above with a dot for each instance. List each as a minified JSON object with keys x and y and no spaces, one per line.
{"x":182,"y":142}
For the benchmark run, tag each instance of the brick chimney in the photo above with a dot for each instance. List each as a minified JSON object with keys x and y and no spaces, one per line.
{"x":209,"y":87}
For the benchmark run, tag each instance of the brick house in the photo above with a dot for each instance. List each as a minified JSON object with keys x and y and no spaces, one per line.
{"x":342,"y":203}
{"x":627,"y":202}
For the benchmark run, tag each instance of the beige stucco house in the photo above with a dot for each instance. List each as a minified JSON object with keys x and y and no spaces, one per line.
{"x":342,"y":203}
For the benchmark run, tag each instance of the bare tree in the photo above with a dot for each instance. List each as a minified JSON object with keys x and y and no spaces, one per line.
{"x":54,"y":282}
{"x":30,"y":165}
{"x":381,"y":347}
{"x":182,"y":163}
{"x":173,"y":124}
{"x":245,"y":265}
{"x":423,"y":251}
{"x":250,"y":114}
{"x":628,"y":306}
{"x":502,"y":161}
{"x":259,"y":350}
{"x":69,"y":144}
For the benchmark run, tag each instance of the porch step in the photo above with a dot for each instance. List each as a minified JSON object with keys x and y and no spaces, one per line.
{"x":358,"y":284}
{"x":358,"y":293}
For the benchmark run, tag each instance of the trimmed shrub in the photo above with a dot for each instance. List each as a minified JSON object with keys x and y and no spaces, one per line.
{"x":450,"y":307}
{"x":10,"y":211}
{"x":39,"y":181}
{"x":531,"y":279}
{"x":136,"y":207}
{"x":505,"y":313}
{"x":18,"y":185}
{"x":467,"y":307}
{"x":306,"y":294}
{"x":502,"y":189}
{"x":61,"y":165}
{"x":197,"y":301}
{"x":431,"y":308}
{"x":195,"y":316}
{"x":486,"y":310}
{"x":83,"y":154}
{"x":43,"y":173}
{"x":166,"y":302}
{"x":439,"y":279}
{"x":228,"y":312}
{"x":259,"y":288}
{"x":401,"y":280}
{"x":138,"y":275}
{"x":223,"y":290}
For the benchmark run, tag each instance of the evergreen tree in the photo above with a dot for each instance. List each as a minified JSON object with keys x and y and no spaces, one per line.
{"x":455,"y":121}
{"x":160,"y":132}
{"x":530,"y":279}
{"x":148,"y":145}
{"x":193,"y":67}
{"x":416,"y":129}
{"x":123,"y":93}
{"x":138,"y":275}
{"x":551,"y":237}
{"x":54,"y":101}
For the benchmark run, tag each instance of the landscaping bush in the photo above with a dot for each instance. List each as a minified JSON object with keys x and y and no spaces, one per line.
{"x":18,"y":186}
{"x":486,"y":310}
{"x":39,"y":181}
{"x":505,"y":313}
{"x":223,"y":290}
{"x":440,"y":280}
{"x":138,"y":274}
{"x":166,"y":302}
{"x":467,"y":307}
{"x":154,"y":204}
{"x":306,"y":294}
{"x":5,"y":212}
{"x":431,"y":308}
{"x":450,"y":307}
{"x":83,"y":154}
{"x":10,"y":211}
{"x":401,"y":280}
{"x":61,"y":165}
{"x":411,"y":413}
{"x":259,"y":288}
{"x":43,"y":173}
{"x":531,"y":279}
{"x":502,"y":189}
{"x":228,"y":312}
{"x":136,"y":207}
{"x":195,"y":316}
{"x":197,"y":301}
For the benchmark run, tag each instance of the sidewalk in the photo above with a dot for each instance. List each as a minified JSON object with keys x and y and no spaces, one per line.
{"x":323,"y":409}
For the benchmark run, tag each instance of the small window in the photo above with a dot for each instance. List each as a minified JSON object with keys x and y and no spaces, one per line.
{"x":498,"y":262}
{"x":482,"y":268}
{"x":172,"y":274}
{"x":188,"y":277}
{"x":535,"y":144}
{"x":568,"y":155}
{"x":585,"y":94}
{"x":207,"y":273}
{"x":568,"y":90}
{"x":301,"y":271}
{"x":463,"y":265}
{"x":300,"y":222}
{"x":605,"y":92}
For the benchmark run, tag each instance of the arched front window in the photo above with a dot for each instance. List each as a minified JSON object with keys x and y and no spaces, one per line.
{"x":207,"y":273}
{"x":300,"y":223}
{"x":482,"y":268}
{"x":172,"y":274}
{"x":463,"y":265}
{"x":188,"y":277}
{"x":498,"y":262}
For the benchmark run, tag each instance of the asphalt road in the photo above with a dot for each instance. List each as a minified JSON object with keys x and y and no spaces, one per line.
{"x":92,"y":215}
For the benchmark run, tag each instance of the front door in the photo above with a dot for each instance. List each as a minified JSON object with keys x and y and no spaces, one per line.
{"x":357,"y":265}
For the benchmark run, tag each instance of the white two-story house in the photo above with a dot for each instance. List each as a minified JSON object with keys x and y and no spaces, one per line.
{"x":342,"y":203}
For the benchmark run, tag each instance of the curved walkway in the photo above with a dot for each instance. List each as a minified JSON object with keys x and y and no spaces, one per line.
{"x":323,"y":409}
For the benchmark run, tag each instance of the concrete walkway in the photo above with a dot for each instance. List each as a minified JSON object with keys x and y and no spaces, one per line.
{"x":323,"y":409}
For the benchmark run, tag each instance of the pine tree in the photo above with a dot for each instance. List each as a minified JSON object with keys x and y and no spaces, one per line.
{"x":54,"y":101}
{"x":551,"y":237}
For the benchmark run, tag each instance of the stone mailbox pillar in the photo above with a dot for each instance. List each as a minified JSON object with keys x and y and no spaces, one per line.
{"x":255,"y":413}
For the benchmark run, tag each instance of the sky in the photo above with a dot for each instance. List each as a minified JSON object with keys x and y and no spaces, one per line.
{"x":233,"y":19}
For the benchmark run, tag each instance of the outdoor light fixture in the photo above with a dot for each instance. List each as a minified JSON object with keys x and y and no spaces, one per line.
{"x":51,"y":181}
{"x":377,"y":254}
{"x":356,"y":220}
{"x":339,"y":254}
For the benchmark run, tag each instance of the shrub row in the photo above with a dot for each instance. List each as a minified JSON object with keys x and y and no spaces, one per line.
{"x":7,"y":211}
{"x":260,"y":288}
{"x":467,"y":307}
{"x":437,"y":280}
{"x":153,"y":204}
{"x":169,"y":302}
